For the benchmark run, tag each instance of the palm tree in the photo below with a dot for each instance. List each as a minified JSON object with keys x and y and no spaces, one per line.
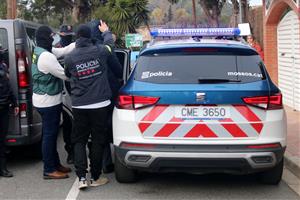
{"x":124,"y":16}
{"x":140,"y":12}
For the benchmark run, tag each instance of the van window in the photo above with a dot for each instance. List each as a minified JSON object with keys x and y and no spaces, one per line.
{"x":31,"y":34}
{"x":4,"y":44}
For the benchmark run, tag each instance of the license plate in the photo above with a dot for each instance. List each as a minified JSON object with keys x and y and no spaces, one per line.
{"x":202,"y":112}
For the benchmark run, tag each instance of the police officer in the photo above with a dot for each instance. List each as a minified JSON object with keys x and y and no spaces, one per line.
{"x":86,"y":66}
{"x":47,"y":77}
{"x":66,"y":37}
{"x":6,"y":99}
{"x":115,"y":76}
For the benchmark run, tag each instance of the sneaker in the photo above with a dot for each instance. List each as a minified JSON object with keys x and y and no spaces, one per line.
{"x":82,"y":184}
{"x":98,"y":182}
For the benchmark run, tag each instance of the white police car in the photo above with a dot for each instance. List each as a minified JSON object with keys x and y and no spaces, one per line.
{"x":200,"y":106}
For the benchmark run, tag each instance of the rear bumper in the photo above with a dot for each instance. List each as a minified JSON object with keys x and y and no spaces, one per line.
{"x":30,"y":134}
{"x":201,"y":160}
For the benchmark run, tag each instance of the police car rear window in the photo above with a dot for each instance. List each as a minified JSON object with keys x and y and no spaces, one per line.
{"x":190,"y":68}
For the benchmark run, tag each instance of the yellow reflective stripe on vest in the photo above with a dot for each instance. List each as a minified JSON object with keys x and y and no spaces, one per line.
{"x":108,"y":47}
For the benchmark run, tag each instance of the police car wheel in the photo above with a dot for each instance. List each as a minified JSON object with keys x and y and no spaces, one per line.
{"x":272,"y":176}
{"x":124,"y":174}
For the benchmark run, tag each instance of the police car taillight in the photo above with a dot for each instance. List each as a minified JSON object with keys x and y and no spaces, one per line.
{"x":266,"y":102}
{"x":132,"y":102}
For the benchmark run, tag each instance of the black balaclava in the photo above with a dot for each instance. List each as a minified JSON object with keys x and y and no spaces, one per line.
{"x":65,"y":40}
{"x":44,"y":38}
{"x":83,"y":31}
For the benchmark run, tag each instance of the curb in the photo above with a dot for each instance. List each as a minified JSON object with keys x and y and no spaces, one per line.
{"x":292,"y":163}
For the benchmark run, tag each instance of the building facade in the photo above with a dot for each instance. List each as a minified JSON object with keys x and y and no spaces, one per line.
{"x":282,"y":47}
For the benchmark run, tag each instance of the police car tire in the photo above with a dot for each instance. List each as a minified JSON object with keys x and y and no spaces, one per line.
{"x":124,"y":174}
{"x":274,"y":175}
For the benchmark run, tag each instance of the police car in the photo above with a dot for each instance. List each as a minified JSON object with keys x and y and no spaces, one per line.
{"x":199,"y":106}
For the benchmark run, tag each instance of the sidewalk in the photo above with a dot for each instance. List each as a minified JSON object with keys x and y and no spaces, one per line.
{"x":292,"y":154}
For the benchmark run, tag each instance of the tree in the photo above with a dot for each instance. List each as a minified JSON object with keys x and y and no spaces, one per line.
{"x":181,"y":16}
{"x":194,"y":14}
{"x":3,"y":9}
{"x":212,"y":10}
{"x":157,"y":15}
{"x":170,"y":14}
{"x":194,"y":10}
{"x":236,"y":11}
{"x":123,"y":16}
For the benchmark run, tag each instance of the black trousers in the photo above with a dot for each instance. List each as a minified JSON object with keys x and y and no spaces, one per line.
{"x":67,"y":131}
{"x":89,"y":122}
{"x":107,"y":160}
{"x":4,"y":111}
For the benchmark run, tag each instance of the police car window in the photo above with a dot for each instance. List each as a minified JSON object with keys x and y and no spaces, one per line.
{"x":190,"y":68}
{"x":4,"y":44}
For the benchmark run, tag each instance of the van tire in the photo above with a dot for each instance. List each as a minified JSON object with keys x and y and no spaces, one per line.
{"x":124,"y":174}
{"x":272,"y":176}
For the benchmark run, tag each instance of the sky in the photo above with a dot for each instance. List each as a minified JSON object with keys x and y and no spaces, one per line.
{"x":255,"y":2}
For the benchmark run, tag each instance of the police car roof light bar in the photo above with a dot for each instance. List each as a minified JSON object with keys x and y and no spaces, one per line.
{"x":196,"y":32}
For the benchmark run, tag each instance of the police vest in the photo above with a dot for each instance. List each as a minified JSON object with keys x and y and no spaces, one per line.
{"x":44,"y":83}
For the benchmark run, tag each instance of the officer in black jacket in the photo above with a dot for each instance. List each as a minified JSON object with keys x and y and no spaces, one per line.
{"x":115,"y":75}
{"x":6,"y":99}
{"x":86,"y":66}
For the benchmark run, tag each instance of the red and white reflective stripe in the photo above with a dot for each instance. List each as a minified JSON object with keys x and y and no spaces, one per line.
{"x":159,"y":121}
{"x":151,"y":116}
{"x":200,"y":130}
{"x":251,"y":117}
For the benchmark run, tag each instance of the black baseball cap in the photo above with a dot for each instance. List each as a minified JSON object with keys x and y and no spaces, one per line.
{"x":67,"y":30}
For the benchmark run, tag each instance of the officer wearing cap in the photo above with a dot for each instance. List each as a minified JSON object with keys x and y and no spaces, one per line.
{"x":66,"y":37}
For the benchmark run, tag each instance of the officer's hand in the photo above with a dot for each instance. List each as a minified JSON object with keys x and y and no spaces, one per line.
{"x":103,"y":27}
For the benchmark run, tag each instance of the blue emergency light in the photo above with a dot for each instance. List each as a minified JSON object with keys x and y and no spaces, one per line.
{"x":196,"y":32}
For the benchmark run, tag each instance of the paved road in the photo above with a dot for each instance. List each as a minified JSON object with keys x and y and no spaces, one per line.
{"x":28,"y":184}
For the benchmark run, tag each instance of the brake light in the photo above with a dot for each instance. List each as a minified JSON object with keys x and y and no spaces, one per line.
{"x":22,"y":68}
{"x":267,"y":102}
{"x":23,"y":110}
{"x":11,"y":140}
{"x":264,"y":146}
{"x":136,"y":145}
{"x":132,"y":102}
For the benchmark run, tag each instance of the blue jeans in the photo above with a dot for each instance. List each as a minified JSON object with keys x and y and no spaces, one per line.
{"x":50,"y":129}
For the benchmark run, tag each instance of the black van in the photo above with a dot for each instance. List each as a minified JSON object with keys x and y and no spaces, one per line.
{"x":18,"y":37}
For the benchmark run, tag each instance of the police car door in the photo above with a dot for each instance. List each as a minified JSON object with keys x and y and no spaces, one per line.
{"x":124,"y":59}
